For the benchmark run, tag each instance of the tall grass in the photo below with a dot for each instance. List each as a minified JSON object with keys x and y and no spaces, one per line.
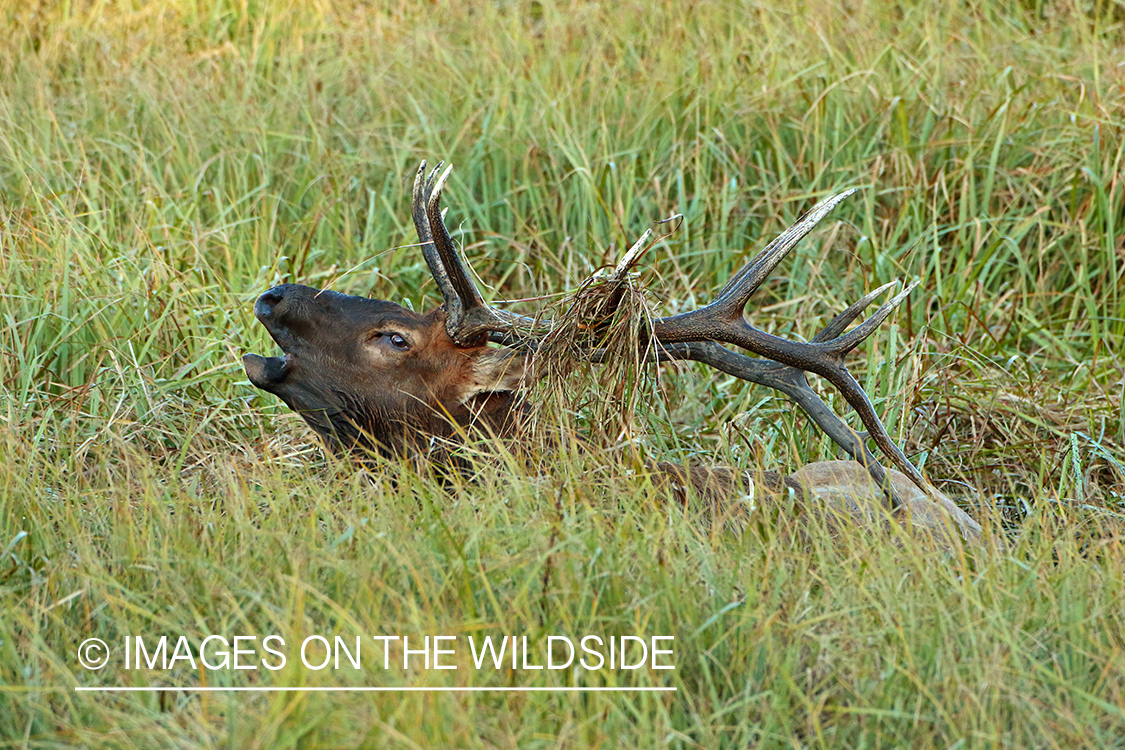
{"x":163,"y":163}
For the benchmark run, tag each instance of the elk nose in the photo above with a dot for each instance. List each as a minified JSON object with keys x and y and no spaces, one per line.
{"x":268,"y":302}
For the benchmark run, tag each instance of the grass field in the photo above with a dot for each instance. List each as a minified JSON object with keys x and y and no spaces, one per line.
{"x":163,"y":163}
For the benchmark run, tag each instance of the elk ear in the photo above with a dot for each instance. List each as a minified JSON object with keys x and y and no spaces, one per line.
{"x":495,"y":371}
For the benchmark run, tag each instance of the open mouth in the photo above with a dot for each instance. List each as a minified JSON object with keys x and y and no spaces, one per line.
{"x":267,"y":372}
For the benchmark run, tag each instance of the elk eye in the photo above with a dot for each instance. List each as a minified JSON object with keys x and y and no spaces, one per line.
{"x":398,"y":341}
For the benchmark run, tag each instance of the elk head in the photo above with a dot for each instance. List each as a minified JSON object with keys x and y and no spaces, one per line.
{"x":369,"y":375}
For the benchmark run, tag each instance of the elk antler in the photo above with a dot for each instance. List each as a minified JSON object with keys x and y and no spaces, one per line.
{"x":696,"y":334}
{"x":723,"y":321}
{"x":468,"y":317}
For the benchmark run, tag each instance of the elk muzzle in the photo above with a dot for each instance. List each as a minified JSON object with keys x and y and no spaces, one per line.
{"x":271,"y":310}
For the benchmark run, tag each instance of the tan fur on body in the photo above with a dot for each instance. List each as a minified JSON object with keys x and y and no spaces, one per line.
{"x":840,"y":494}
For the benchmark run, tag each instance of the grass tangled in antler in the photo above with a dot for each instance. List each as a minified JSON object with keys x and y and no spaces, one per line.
{"x":604,"y":323}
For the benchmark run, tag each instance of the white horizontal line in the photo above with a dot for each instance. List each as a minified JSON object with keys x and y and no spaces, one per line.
{"x":114,"y":689}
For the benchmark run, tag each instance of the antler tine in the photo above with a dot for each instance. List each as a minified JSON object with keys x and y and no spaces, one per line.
{"x":738,"y":290}
{"x":723,"y":320}
{"x":425,"y":237}
{"x":467,"y":294}
{"x":857,"y":398}
{"x":468,"y":317}
{"x":850,"y":313}
{"x":854,"y":337}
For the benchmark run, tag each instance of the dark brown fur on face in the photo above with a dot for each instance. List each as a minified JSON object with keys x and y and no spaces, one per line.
{"x":371,"y":376}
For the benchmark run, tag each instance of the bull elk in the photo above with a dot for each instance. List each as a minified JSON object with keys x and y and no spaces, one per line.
{"x":370,"y":376}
